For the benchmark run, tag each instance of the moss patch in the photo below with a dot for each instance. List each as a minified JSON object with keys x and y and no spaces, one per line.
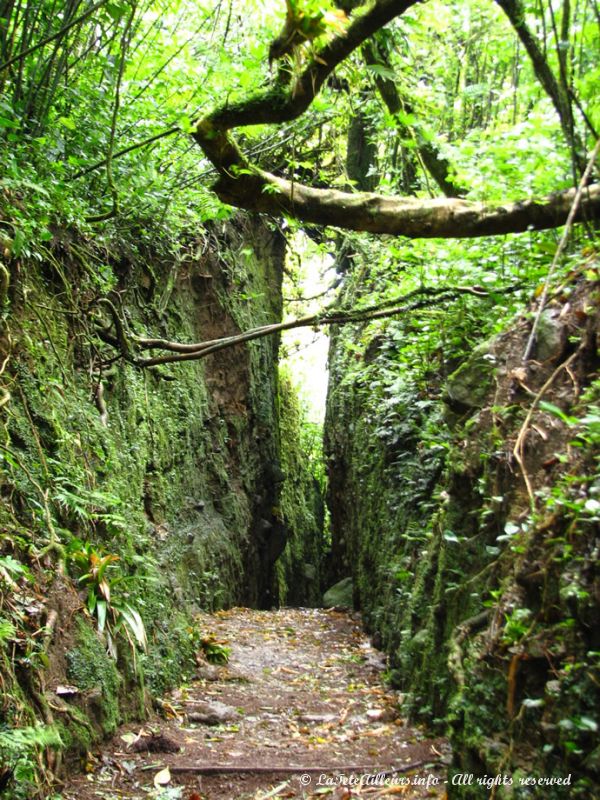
{"x":95,"y":673}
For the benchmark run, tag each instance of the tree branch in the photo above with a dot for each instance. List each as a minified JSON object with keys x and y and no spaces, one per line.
{"x":59,"y":34}
{"x":419,"y":298}
{"x":448,"y":218}
{"x":129,"y":149}
{"x":515,"y":12}
{"x":281,"y":104}
{"x":437,"y":166}
{"x":243,"y":185}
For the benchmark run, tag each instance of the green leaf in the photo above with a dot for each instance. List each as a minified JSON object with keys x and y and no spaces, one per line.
{"x":7,"y":630}
{"x":382,"y":71}
{"x":557,"y":412}
{"x":101,"y":608}
{"x":14,"y":567}
{"x":67,"y":122}
{"x":116,"y":10}
{"x":587,"y":724}
{"x":111,"y":646}
{"x":105,"y":562}
{"x":134,"y":622}
{"x":186,"y":124}
{"x":530,"y":702}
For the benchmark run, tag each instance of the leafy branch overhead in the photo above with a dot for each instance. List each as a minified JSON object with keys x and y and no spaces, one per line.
{"x":243,"y":183}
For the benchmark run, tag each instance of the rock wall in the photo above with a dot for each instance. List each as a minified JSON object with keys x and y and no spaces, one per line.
{"x":476,"y":573}
{"x":164,"y":481}
{"x":302,"y":507}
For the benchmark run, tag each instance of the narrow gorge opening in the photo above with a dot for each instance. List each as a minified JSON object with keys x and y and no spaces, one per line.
{"x":308,"y":284}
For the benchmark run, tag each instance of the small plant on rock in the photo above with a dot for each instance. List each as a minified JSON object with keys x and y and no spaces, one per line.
{"x":113,"y":615}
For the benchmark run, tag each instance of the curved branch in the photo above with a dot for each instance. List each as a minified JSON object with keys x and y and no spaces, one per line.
{"x":281,"y":104}
{"x":243,"y":185}
{"x":448,"y":218}
{"x":423,"y":295}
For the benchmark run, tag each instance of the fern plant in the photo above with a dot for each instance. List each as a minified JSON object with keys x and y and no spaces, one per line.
{"x":7,"y":631}
{"x":87,"y":505}
{"x":18,"y":750}
{"x":11,"y":570}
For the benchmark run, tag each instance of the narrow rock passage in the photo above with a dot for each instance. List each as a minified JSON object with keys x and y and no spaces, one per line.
{"x":300,"y":711}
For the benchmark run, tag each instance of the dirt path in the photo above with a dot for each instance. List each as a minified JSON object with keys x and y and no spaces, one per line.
{"x":300,"y":711}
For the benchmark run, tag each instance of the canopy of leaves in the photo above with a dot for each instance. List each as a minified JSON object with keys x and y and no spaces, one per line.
{"x":442,"y":104}
{"x":83,"y":82}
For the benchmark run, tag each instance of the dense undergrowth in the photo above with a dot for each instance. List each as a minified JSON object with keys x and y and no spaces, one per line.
{"x":132,"y":496}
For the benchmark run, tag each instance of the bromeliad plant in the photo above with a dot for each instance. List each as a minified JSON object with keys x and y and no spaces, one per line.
{"x":113,"y":616}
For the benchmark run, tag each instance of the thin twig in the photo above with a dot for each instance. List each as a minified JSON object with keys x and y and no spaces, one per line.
{"x":190,"y":352}
{"x":518,"y":448}
{"x":235,"y":769}
{"x":54,"y":36}
{"x":125,"y":42}
{"x":125,"y":150}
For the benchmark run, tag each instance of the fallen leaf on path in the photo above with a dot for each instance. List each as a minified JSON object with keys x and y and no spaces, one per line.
{"x":381,"y":731}
{"x":162,"y":778}
{"x":170,"y":711}
{"x":287,"y":671}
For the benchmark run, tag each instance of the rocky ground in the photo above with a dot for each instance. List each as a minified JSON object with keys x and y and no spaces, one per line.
{"x":300,"y":711}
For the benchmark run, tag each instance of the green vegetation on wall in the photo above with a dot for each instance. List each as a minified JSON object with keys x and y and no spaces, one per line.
{"x":299,"y":569}
{"x":138,"y":484}
{"x":482,"y":593}
{"x":131,"y":497}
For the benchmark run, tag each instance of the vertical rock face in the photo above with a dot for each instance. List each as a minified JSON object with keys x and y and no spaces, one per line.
{"x":173,"y":471}
{"x":238,"y":287}
{"x":467,"y":514}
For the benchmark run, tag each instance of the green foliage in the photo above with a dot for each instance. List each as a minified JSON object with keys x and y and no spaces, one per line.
{"x":301,"y":504}
{"x":493,"y":121}
{"x":215,"y":652}
{"x":517,"y":624}
{"x":84,"y":504}
{"x":19,"y":749}
{"x":112,"y":615}
{"x":121,"y":493}
{"x":91,"y":669}
{"x":11,"y":570}
{"x":7,"y":631}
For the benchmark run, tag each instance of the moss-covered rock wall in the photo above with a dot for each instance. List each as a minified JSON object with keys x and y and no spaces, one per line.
{"x":129,"y":491}
{"x":302,"y":506}
{"x":466,"y":510}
